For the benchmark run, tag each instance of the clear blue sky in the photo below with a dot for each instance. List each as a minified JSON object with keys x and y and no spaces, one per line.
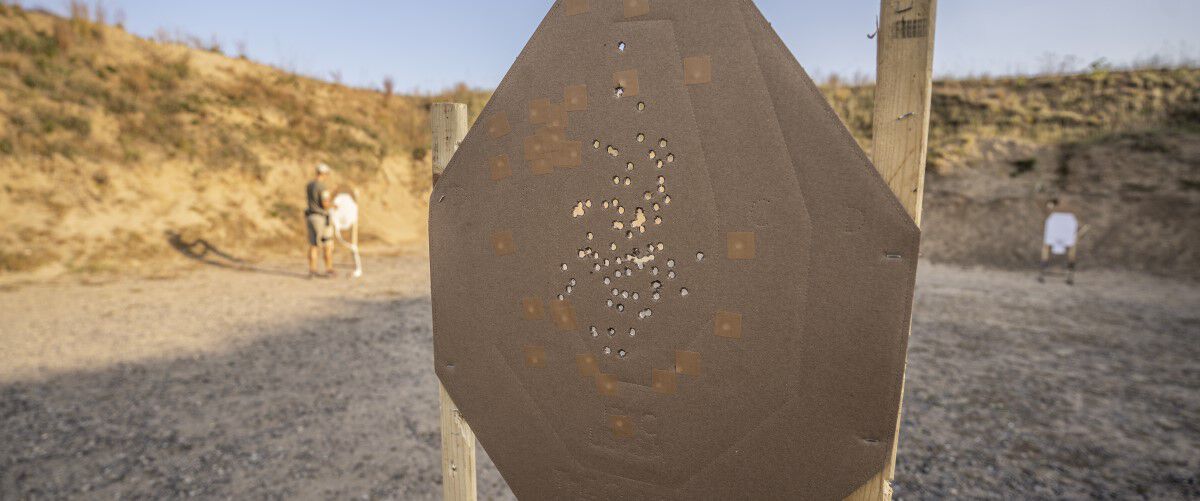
{"x":367,"y":39}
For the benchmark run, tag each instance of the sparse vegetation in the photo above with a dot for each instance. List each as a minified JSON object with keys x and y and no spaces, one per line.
{"x":186,"y":138}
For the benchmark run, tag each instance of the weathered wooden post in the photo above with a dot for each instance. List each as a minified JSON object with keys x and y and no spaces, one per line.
{"x":903,"y":87}
{"x":448,"y":122}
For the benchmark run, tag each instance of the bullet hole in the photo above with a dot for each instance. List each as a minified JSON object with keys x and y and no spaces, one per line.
{"x":612,"y":332}
{"x":641,"y":106}
{"x":621,"y":46}
{"x":620,"y":92}
{"x":683,"y":292}
{"x":670,"y":263}
{"x":632,"y":332}
{"x":641,"y":138}
{"x":662,"y":143}
{"x":671,"y":275}
{"x":596,"y":144}
{"x":621,"y":353}
{"x":699,"y":256}
{"x":670,"y":157}
{"x":563,"y":266}
{"x":629,"y":167}
{"x":595,"y":331}
{"x":653,"y":154}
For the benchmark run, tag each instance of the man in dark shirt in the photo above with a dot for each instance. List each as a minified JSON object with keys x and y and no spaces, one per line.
{"x":316,"y":216}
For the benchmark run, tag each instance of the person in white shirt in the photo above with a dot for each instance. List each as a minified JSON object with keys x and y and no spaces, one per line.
{"x":1060,"y":237}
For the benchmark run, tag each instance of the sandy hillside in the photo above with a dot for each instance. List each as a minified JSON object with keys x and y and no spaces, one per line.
{"x":259,"y":384}
{"x":117,"y":149}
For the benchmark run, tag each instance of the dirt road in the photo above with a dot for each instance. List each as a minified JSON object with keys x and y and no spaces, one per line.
{"x":232,"y":383}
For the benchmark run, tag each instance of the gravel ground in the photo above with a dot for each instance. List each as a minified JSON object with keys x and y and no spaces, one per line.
{"x":225,"y":383}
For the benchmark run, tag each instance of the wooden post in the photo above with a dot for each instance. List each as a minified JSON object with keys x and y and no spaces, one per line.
{"x":903,"y":87}
{"x":448,"y":122}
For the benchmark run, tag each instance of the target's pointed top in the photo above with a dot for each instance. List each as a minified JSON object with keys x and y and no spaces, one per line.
{"x":663,"y":269}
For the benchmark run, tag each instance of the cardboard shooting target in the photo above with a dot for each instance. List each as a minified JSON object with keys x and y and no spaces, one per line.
{"x":663,"y":269}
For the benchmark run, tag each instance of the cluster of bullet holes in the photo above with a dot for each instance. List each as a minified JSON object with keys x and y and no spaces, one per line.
{"x":617,"y":268}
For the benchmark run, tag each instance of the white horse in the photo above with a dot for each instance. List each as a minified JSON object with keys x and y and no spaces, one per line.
{"x":344,"y":216}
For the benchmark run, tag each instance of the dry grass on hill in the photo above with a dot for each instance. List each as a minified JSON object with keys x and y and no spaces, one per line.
{"x":114,"y":147}
{"x":110,"y":142}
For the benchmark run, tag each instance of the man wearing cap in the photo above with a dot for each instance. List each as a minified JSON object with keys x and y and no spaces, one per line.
{"x":316,"y":216}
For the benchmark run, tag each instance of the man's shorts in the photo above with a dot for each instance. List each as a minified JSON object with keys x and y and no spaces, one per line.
{"x":316,"y":224}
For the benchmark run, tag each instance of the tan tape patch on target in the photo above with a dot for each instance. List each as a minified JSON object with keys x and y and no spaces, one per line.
{"x":606,"y":384}
{"x":741,"y":245}
{"x":628,"y":81}
{"x":502,"y":243}
{"x":635,"y":8}
{"x":568,"y":154}
{"x":588,"y":366}
{"x":622,"y":426}
{"x":498,"y":126}
{"x":557,"y":116}
{"x":728,"y":324}
{"x":575,"y":98}
{"x":536,"y":147}
{"x":541,"y":166}
{"x":539,"y":111}
{"x":575,"y":7}
{"x":531,"y":308}
{"x":535,"y":357}
{"x":500,"y":167}
{"x":687,"y":363}
{"x":697,"y":70}
{"x":563,"y":314}
{"x":663,"y":381}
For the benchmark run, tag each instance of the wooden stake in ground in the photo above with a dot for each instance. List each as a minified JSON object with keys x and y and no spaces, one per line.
{"x":449,"y":124}
{"x":903,"y":86}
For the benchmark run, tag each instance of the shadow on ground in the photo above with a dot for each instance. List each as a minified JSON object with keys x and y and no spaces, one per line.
{"x":331,"y":408}
{"x":203,"y":251}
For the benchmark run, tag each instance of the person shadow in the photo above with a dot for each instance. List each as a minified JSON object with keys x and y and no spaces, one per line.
{"x":203,"y":251}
